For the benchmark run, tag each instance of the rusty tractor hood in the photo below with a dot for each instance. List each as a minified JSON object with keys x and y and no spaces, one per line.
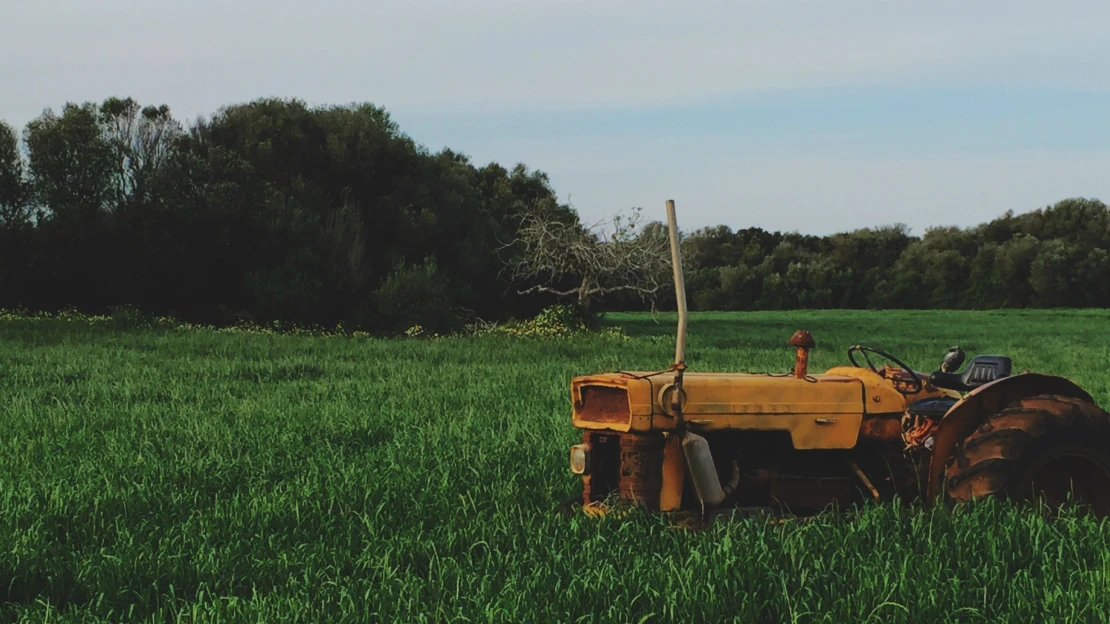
{"x":819,"y":411}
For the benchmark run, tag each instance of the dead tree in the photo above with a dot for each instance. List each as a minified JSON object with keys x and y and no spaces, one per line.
{"x":569,"y":259}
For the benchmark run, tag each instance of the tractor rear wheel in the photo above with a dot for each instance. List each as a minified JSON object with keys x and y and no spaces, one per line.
{"x":1044,"y":447}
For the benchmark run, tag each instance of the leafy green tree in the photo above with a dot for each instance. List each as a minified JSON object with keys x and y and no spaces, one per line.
{"x":1094,"y":275}
{"x":351,"y":198}
{"x":70,"y":171}
{"x":1081,"y":221}
{"x":1013,"y":265}
{"x":1054,"y":275}
{"x":70,"y":165}
{"x":869,"y":256}
{"x":14,"y":192}
{"x":415,"y":296}
{"x":16,"y":221}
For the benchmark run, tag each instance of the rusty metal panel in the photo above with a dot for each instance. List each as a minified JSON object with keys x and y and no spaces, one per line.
{"x":880,"y":428}
{"x":641,"y":471}
{"x":604,"y":404}
{"x":596,"y":406}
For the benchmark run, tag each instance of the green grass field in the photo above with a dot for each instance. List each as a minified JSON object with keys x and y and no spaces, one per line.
{"x":200,"y":476}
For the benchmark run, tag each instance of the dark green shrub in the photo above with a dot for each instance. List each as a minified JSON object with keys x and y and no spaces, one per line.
{"x":414,"y":296}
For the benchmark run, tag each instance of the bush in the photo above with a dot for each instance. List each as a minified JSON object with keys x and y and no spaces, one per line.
{"x":130,"y":317}
{"x":415,"y":296}
{"x":556,"y":321}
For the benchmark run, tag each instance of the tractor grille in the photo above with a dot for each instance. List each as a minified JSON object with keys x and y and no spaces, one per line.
{"x":603,"y":404}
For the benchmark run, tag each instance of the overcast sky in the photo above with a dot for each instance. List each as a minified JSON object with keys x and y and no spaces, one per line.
{"x":811,"y":116}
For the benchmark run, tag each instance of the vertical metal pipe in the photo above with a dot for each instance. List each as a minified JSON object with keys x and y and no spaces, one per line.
{"x":804,"y":341}
{"x":679,"y":285}
{"x":801,"y":363}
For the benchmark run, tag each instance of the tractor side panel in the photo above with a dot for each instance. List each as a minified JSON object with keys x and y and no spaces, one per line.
{"x":821,"y":412}
{"x":674,"y":475}
{"x":966,"y":415}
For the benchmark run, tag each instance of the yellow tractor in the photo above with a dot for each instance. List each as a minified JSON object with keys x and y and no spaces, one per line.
{"x":677,"y":441}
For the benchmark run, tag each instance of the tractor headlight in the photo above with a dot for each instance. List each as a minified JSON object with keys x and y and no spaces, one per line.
{"x":580,"y":459}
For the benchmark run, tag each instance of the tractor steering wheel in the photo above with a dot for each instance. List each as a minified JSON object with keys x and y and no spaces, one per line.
{"x":916,"y":384}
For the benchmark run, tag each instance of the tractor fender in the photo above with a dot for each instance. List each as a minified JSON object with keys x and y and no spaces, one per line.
{"x":968,"y":413}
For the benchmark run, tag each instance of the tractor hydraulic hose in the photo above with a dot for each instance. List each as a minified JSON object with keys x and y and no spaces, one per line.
{"x":864,"y":480}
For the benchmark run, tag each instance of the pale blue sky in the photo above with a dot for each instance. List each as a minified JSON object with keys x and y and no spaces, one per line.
{"x":816,"y":116}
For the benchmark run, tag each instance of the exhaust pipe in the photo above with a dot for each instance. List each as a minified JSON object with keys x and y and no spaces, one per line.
{"x":679,"y":289}
{"x":680,"y":339}
{"x":695,"y":449}
{"x":703,"y":472}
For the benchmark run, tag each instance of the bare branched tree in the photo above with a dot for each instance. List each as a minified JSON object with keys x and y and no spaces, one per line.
{"x":569,"y":259}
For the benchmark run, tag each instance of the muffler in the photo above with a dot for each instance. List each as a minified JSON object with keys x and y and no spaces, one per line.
{"x":703,"y":471}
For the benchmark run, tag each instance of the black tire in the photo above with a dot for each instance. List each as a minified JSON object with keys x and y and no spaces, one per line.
{"x":1039,"y":448}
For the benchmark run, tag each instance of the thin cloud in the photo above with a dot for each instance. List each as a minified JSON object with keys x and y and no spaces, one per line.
{"x":487,"y":55}
{"x":450,"y":71}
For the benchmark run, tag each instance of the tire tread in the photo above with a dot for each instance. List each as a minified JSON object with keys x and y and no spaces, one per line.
{"x":984,"y":462}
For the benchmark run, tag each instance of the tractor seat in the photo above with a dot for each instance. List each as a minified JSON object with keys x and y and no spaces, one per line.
{"x":982,"y":370}
{"x":932,"y":407}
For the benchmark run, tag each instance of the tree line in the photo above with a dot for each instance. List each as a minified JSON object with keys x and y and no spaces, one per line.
{"x":1057,"y":256}
{"x":326,"y":215}
{"x":314,"y":216}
